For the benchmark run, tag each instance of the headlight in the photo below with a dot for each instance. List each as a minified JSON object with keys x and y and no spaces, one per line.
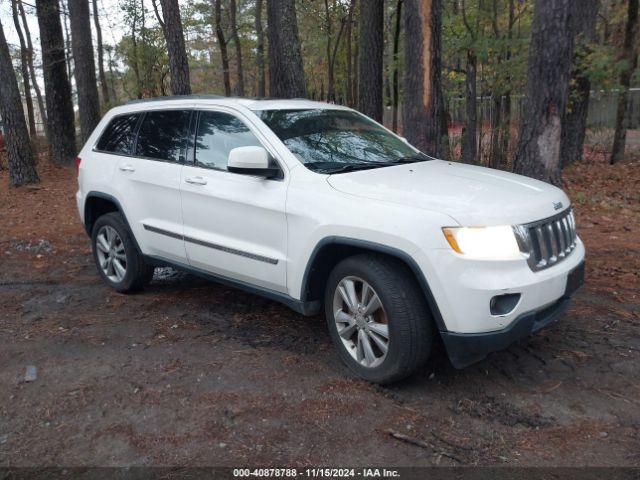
{"x":486,"y":243}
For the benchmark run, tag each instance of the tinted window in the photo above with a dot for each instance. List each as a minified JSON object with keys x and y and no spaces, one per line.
{"x":219,"y":133}
{"x":119,"y":134}
{"x":162,"y":134}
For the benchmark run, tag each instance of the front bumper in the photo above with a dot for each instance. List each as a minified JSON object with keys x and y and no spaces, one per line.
{"x":464,"y":349}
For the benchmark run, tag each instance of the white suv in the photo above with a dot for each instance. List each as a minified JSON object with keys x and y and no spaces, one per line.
{"x":320,"y":208}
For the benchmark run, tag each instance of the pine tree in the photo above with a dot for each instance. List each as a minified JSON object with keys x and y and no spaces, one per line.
{"x":19,"y":152}
{"x":60,"y":117}
{"x":546,"y":93}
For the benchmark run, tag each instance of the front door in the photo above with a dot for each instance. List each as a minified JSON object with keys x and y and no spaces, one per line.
{"x":234,"y":224}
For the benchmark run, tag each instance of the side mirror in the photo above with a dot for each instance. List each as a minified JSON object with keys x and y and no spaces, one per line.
{"x":251,"y":161}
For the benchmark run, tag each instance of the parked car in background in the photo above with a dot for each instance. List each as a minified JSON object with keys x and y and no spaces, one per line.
{"x":321,"y":208}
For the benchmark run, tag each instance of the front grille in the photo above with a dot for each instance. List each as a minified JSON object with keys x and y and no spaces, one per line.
{"x":548,"y":241}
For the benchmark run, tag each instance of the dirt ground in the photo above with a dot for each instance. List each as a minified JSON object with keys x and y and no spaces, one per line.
{"x":194,"y":373}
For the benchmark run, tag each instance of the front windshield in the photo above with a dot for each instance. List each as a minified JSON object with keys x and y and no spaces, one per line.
{"x":338,"y":140}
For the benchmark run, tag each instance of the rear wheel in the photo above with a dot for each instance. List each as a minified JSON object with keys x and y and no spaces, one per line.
{"x":117,"y":259}
{"x":378,"y":318}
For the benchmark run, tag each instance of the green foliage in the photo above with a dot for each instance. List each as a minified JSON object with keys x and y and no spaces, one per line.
{"x":144,"y":53}
{"x":499,"y":39}
{"x":499,"y":42}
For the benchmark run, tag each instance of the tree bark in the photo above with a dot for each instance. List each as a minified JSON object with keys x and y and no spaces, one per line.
{"x":425,"y":124}
{"x":261,"y":90}
{"x":495,"y":155}
{"x":396,"y":61}
{"x":178,"y":62}
{"x":286,"y":72}
{"x":32,"y":71}
{"x":24,"y":69}
{"x":85,"y":67}
{"x":548,"y":72}
{"x":574,"y":121}
{"x":349,"y":53}
{"x":222,"y":43}
{"x":371,"y":50}
{"x":470,"y":134}
{"x":233,"y":13}
{"x":64,"y":12}
{"x":104,"y":88}
{"x":134,"y":46}
{"x":332,"y":52}
{"x":630,"y":56}
{"x":327,"y":22}
{"x":19,"y":152}
{"x":60,"y":116}
{"x":505,"y":128}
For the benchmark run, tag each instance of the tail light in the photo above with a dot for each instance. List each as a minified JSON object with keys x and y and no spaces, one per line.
{"x":78,"y":160}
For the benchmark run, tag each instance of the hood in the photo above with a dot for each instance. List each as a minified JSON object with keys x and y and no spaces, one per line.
{"x":471,"y":195}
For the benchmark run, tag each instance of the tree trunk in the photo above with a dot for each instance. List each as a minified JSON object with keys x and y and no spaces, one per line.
{"x":286,"y":73}
{"x":112,"y":82}
{"x":32,"y":71}
{"x":64,"y":12}
{"x":630,"y":56}
{"x":85,"y":71}
{"x":574,"y":121}
{"x":178,"y":63}
{"x":24,"y":69}
{"x":261,"y":90}
{"x":327,"y":21}
{"x":424,"y":121}
{"x":222,"y":43}
{"x":371,"y":49}
{"x":134,"y":47}
{"x":548,"y":72}
{"x":60,"y":117}
{"x":356,"y":65}
{"x":104,"y":88}
{"x":505,"y":128}
{"x":332,"y":53}
{"x":495,"y":155}
{"x":349,"y":53}
{"x":396,"y":48}
{"x":470,"y":134}
{"x":19,"y":152}
{"x":236,"y":42}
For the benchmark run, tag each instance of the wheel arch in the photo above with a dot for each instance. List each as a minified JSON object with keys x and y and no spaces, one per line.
{"x":331,"y":250}
{"x":97,"y":204}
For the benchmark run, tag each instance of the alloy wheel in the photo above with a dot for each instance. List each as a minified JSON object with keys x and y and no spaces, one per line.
{"x":111,"y":254}
{"x":361,"y":321}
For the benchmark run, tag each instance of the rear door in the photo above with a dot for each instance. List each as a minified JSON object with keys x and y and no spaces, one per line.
{"x":149,"y":183}
{"x":234,"y":224}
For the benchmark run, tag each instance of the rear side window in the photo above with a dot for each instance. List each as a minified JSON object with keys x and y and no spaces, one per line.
{"x":162,"y":134}
{"x":218,"y":134}
{"x":119,"y":134}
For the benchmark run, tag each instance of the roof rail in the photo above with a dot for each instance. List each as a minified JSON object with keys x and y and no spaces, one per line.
{"x":176,"y":97}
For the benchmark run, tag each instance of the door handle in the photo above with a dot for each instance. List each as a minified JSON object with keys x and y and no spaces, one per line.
{"x":195,"y":180}
{"x":126,"y":168}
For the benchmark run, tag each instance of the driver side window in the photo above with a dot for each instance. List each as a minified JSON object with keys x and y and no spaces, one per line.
{"x":217,"y":134}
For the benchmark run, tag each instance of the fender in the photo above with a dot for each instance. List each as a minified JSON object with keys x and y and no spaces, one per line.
{"x":385,"y":249}
{"x":112,"y":199}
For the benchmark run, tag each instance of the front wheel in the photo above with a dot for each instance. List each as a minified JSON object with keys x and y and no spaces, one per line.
{"x":378,"y":318}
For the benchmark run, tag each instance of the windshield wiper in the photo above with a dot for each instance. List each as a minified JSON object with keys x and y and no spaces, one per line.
{"x":418,"y":157}
{"x":346,"y":167}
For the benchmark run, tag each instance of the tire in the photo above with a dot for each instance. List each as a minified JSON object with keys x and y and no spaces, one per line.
{"x":123,"y":252}
{"x":409,"y":325}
